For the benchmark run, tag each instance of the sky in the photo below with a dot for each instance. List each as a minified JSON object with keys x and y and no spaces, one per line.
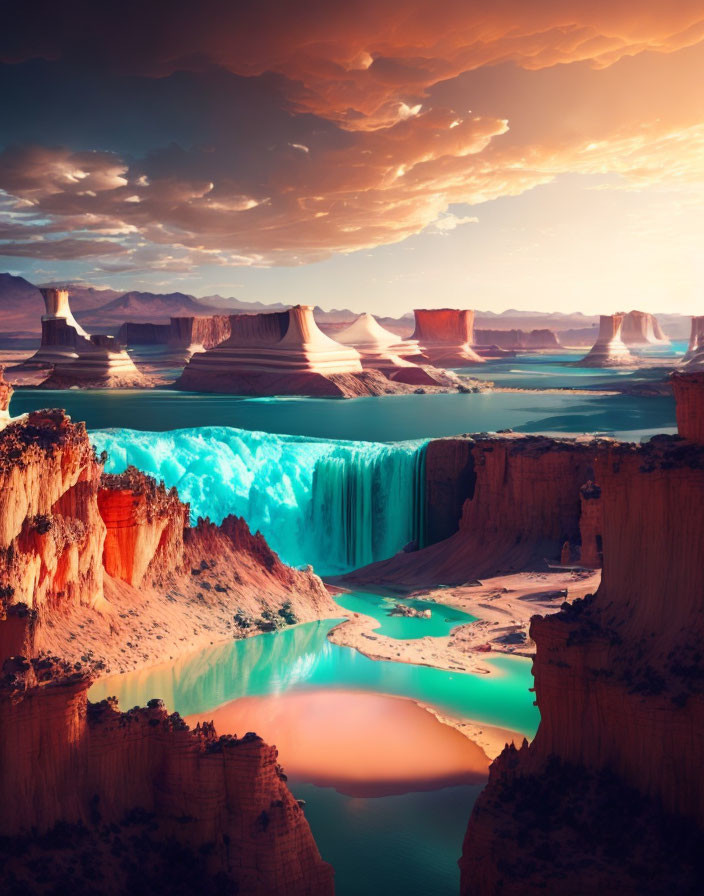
{"x":375,"y":155}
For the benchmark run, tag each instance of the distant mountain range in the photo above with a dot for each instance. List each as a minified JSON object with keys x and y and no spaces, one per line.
{"x":104,"y":310}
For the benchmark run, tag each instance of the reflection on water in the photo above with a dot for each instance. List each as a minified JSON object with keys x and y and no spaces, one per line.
{"x":302,"y":656}
{"x":405,"y":844}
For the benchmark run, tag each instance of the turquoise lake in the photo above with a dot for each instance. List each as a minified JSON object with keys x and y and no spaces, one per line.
{"x":407,"y":843}
{"x":385,"y":419}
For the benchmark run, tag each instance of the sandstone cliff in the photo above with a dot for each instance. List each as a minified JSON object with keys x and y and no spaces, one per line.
{"x":689,"y":395}
{"x":619,"y":679}
{"x":520,"y":500}
{"x":136,"y":802}
{"x":6,"y":391}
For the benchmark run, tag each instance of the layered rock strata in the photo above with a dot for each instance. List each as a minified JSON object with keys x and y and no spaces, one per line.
{"x":446,"y":336}
{"x":520,"y":499}
{"x":103,"y":801}
{"x":517,"y":340}
{"x":640,"y":328}
{"x":285,"y":353}
{"x":609,"y":350}
{"x":99,"y":362}
{"x":182,"y":337}
{"x":609,"y":796}
{"x":382,"y":350}
{"x":61,"y":333}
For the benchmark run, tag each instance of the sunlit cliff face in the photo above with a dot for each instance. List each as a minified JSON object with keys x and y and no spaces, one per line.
{"x":273,"y":133}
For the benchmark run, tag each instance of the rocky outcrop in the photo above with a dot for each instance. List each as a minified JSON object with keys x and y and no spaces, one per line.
{"x":517,"y":340}
{"x":619,"y":680}
{"x":51,"y":533}
{"x":446,"y":336}
{"x":62,"y":335}
{"x":115,"y":559}
{"x":194,"y":811}
{"x":144,"y":527}
{"x":181,"y":338}
{"x":640,"y":328}
{"x":100,"y":362}
{"x":284,"y":353}
{"x":521,"y":503}
{"x":382,"y":350}
{"x":609,"y":350}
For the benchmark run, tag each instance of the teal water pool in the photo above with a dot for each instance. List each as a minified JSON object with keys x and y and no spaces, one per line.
{"x":442,"y":619}
{"x":384,"y":419}
{"x":302,"y":657}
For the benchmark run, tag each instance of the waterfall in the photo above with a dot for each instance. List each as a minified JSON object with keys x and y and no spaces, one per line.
{"x":336,"y":505}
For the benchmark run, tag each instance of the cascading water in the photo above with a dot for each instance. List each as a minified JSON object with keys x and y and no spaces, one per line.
{"x":336,"y":505}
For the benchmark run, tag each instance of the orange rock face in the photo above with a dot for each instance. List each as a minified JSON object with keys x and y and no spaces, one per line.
{"x":143,"y":774}
{"x":590,"y":526}
{"x":51,"y":534}
{"x":689,"y":395}
{"x":446,"y":336}
{"x":144,"y":526}
{"x":641,"y":328}
{"x":618,"y":679}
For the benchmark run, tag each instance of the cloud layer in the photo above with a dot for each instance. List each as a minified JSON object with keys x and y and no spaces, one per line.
{"x":263,"y":133}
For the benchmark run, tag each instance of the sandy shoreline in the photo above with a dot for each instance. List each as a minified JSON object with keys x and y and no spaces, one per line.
{"x":504,"y":606}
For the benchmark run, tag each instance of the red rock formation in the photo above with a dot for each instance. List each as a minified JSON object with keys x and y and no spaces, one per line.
{"x":590,"y":526}
{"x":446,"y":336}
{"x":144,"y":778}
{"x":115,"y":559}
{"x":689,"y":395}
{"x":51,"y":534}
{"x":144,"y":525}
{"x":641,"y":328}
{"x":609,"y":349}
{"x":618,"y":679}
{"x":523,"y":504}
{"x":517,"y":340}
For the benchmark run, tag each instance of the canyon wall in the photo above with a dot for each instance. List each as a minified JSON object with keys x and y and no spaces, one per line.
{"x":619,"y":683}
{"x":205,"y":331}
{"x":515,"y":340}
{"x":114,"y":559}
{"x":51,"y":533}
{"x":522,"y":502}
{"x":143,"y":778}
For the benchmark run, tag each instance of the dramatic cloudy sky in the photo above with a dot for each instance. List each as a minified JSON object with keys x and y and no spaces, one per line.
{"x":373,"y":154}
